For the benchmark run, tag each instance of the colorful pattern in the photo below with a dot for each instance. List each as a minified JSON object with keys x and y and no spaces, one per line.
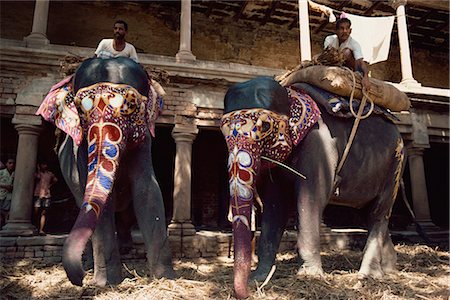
{"x":252,"y":133}
{"x":116,"y":103}
{"x":304,"y":113}
{"x":59,"y":108}
{"x":103,"y":155}
{"x":114,"y":116}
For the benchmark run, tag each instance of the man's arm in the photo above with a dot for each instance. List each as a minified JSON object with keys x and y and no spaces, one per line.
{"x":328,"y":42}
{"x":133,"y":54}
{"x":99,"y":48}
{"x":361,"y":65}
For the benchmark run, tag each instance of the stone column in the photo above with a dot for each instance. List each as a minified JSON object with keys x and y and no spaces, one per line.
{"x":38,"y":35}
{"x":415,"y":150}
{"x":405,"y":53}
{"x":184,"y":53}
{"x":181,"y":223}
{"x":421,"y":205}
{"x":19,"y":223}
{"x":303,"y":22}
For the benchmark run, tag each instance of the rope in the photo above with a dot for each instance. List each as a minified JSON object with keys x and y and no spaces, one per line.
{"x":358,"y":117}
{"x":284,"y":166}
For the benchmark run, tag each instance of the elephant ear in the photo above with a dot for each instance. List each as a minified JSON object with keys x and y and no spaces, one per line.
{"x":59,"y":108}
{"x":155,"y":105}
{"x":304,"y":113}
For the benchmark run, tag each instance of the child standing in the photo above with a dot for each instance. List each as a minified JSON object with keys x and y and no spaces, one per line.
{"x":42,"y":196}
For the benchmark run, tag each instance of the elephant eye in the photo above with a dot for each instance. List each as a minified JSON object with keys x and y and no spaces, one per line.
{"x":265,"y":126}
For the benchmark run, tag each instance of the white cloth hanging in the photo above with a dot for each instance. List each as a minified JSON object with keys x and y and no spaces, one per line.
{"x":374,"y":36}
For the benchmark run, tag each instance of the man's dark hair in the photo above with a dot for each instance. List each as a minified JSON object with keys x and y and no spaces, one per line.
{"x":125,"y":25}
{"x":343,"y":20}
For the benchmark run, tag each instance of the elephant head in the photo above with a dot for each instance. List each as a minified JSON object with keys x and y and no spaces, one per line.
{"x":110,"y":104}
{"x":261,"y":119}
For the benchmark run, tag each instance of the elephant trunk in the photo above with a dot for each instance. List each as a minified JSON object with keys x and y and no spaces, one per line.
{"x":242,"y":259}
{"x":105,"y":141}
{"x":242,"y":171}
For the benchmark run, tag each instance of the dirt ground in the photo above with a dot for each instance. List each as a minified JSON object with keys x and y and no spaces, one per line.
{"x":423,"y":273}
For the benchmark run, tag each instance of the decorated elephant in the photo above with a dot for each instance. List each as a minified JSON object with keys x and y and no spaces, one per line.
{"x":108,"y":111}
{"x":265,"y":125}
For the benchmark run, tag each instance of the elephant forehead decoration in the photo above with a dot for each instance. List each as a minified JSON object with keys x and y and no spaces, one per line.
{"x":257,"y":131}
{"x":252,"y":133}
{"x":274,"y":133}
{"x":106,"y":102}
{"x":114,"y":103}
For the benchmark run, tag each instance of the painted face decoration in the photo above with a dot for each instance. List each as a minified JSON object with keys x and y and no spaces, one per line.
{"x":249,"y":134}
{"x":258,"y":131}
{"x":114,"y":103}
{"x":252,"y":133}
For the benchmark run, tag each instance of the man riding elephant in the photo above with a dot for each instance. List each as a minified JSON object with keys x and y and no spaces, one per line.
{"x":266,"y":125}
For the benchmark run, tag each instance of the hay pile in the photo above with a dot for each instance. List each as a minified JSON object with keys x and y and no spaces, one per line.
{"x":423,"y":274}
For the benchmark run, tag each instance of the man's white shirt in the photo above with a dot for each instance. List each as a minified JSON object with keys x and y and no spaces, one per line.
{"x":333,"y":41}
{"x":105,"y":49}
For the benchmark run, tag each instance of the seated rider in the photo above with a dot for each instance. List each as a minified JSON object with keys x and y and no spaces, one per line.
{"x":117,"y":47}
{"x":350,"y":47}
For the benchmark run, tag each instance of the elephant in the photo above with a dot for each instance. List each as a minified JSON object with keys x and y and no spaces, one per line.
{"x":108,"y":110}
{"x":268,"y":128}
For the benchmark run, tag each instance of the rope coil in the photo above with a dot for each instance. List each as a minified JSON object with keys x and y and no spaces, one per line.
{"x":358,"y":117}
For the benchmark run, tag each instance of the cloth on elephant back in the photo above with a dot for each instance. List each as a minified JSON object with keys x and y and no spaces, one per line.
{"x":339,"y":106}
{"x":304,"y":113}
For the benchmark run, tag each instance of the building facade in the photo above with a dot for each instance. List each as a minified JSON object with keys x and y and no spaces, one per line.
{"x":204,"y":47}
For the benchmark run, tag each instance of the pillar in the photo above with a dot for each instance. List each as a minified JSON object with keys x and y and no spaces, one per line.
{"x":38,"y":35}
{"x":405,"y":54}
{"x":415,"y":151}
{"x":305,"y":39}
{"x":181,"y":223}
{"x":19,"y":223}
{"x":418,"y":184}
{"x":184,"y":53}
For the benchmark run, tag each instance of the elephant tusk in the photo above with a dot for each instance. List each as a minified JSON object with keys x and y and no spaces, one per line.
{"x":284,"y":166}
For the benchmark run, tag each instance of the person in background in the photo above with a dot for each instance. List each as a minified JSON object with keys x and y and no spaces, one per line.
{"x":350,"y":47}
{"x":118,"y":46}
{"x":6,"y":187}
{"x":42,"y":196}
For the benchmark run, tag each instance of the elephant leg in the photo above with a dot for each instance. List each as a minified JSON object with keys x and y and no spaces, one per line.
{"x":107,"y":267}
{"x":388,"y":255}
{"x":149,"y":209}
{"x":308,"y":240}
{"x":371,"y":263}
{"x":379,"y":254}
{"x":124,"y":221}
{"x":273,"y":223}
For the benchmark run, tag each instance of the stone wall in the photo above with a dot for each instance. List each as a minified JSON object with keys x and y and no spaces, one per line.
{"x":205,"y":244}
{"x":154,"y":29}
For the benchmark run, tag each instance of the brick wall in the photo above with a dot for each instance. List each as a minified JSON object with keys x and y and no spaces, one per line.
{"x":204,"y":244}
